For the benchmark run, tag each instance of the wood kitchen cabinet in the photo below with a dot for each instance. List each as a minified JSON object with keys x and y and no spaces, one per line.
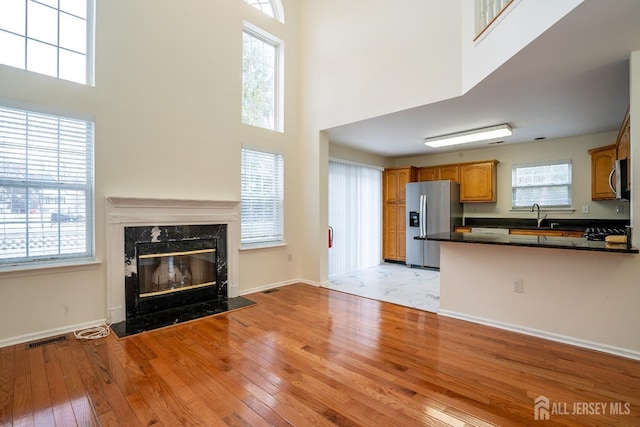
{"x":602,"y":161}
{"x":394,"y":181}
{"x":435,"y":173}
{"x":394,"y":211}
{"x":547,"y":232}
{"x":429,"y":173}
{"x":478,"y":181}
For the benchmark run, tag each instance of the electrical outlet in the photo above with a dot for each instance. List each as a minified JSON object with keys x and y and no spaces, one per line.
{"x":518,"y":286}
{"x":619,"y":209}
{"x":585,"y":209}
{"x":290,"y":257}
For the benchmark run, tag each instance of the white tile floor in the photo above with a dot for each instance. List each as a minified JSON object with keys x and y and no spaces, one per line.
{"x":395,"y":283}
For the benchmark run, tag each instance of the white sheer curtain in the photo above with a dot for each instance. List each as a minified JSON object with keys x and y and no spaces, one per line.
{"x":355,"y":213}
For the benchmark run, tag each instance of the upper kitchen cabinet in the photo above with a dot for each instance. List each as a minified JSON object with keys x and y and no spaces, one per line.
{"x":394,"y":181}
{"x":428,"y":173}
{"x":478,"y":181}
{"x":602,"y":161}
{"x":442,"y":172}
{"x":450,"y":172}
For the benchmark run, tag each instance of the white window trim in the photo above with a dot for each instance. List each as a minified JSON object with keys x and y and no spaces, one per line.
{"x":73,"y":262}
{"x":90,"y":47}
{"x":276,"y":6}
{"x":567,"y":207}
{"x":278,"y":44}
{"x":270,"y":243}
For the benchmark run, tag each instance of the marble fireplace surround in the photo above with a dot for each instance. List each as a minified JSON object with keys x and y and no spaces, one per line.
{"x":132,"y":212}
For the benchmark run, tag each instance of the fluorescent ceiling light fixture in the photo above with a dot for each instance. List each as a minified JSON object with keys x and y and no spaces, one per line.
{"x":475,"y":135}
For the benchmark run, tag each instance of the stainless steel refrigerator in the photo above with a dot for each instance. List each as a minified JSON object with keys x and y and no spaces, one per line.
{"x":431,"y":207}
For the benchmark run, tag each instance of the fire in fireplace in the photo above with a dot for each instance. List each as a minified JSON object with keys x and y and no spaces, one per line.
{"x":173,"y":266}
{"x":169,"y":267}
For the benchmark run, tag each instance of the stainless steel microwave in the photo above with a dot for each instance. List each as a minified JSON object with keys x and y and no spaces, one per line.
{"x":618,"y":180}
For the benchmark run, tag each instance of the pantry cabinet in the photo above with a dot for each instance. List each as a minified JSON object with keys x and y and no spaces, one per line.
{"x":394,"y":211}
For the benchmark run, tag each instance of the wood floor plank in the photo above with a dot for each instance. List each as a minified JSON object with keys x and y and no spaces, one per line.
{"x":310,"y":356}
{"x":7,"y":378}
{"x":60,"y":401}
{"x":43,"y":409}
{"x":23,"y":410}
{"x":83,"y":409}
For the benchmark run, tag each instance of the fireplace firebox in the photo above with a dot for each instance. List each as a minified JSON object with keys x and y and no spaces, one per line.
{"x":168,"y":267}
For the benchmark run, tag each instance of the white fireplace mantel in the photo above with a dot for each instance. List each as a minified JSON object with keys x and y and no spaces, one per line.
{"x":131,"y":212}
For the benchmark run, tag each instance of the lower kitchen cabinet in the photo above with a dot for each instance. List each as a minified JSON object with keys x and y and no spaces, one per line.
{"x":394,"y":230}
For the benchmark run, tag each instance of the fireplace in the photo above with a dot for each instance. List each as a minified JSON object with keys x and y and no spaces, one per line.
{"x":174,"y":230}
{"x":168,"y":267}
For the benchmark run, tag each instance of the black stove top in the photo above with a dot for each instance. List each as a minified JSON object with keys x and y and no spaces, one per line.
{"x":601,"y":233}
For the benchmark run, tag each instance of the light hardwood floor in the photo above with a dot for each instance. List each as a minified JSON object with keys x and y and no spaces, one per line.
{"x":311,"y":356}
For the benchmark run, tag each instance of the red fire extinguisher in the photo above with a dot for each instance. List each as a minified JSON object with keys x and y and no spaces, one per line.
{"x":330,"y":237}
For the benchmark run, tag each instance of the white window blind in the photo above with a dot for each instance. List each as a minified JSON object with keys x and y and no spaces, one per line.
{"x":262,"y":183}
{"x":46,"y":187}
{"x":547,"y":184}
{"x":48,"y":37}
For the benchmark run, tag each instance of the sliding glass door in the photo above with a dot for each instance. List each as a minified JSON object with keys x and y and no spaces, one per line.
{"x":355,"y":215}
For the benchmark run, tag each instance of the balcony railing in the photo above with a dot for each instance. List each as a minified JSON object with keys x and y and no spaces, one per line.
{"x":487,"y":11}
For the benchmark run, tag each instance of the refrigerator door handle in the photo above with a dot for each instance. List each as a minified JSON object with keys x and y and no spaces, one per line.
{"x":424,"y":216}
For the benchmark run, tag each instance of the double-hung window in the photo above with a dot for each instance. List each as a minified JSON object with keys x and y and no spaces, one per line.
{"x":547,"y":184}
{"x":262,"y":198}
{"x":46,"y":188}
{"x":52,"y":37}
{"x":261,"y":79}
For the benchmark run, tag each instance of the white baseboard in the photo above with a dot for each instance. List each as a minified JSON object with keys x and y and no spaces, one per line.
{"x":49,"y":333}
{"x":605,"y":348}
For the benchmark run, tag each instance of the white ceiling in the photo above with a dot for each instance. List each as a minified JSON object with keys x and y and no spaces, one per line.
{"x":572,"y":80}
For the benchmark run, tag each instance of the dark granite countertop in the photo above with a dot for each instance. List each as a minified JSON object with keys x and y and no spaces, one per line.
{"x":572,"y":243}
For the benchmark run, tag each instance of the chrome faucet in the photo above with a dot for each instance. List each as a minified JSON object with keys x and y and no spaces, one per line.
{"x":537,"y":207}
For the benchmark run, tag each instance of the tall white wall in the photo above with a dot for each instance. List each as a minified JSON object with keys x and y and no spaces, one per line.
{"x":365,"y":58}
{"x":167,"y":121}
{"x":362,"y":59}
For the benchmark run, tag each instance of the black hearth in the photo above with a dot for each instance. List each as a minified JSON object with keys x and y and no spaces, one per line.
{"x":174,"y":273}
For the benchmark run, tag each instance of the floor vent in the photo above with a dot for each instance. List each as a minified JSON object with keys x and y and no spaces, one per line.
{"x":46,"y":341}
{"x":268,"y":291}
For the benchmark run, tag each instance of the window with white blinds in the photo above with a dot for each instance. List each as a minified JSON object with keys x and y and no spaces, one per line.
{"x":262,"y":182}
{"x":46,"y":187}
{"x":547,"y":184}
